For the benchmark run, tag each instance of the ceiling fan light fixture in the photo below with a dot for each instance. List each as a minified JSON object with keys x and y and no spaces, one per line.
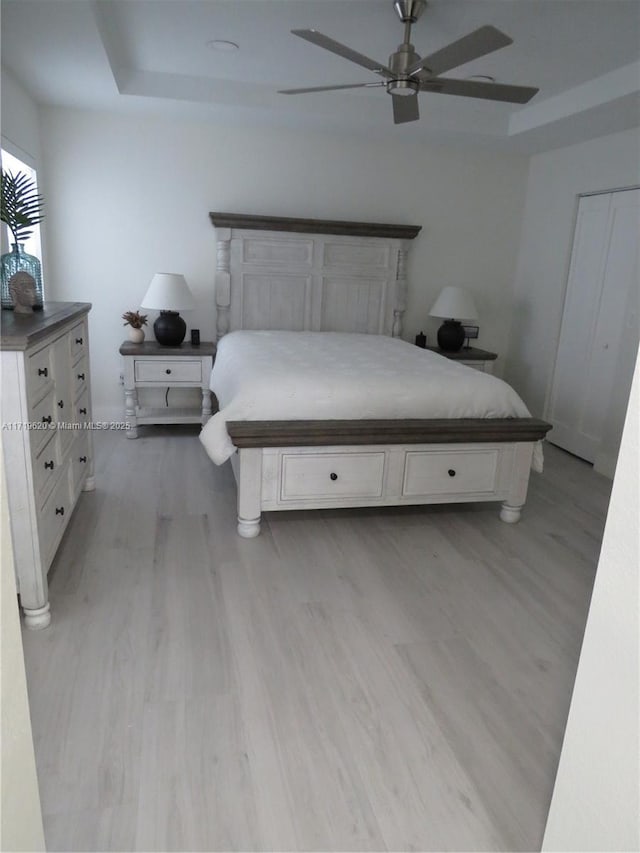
{"x":403,"y":87}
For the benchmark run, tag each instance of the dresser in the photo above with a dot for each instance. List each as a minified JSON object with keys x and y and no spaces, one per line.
{"x":479,"y":359}
{"x":46,"y":423}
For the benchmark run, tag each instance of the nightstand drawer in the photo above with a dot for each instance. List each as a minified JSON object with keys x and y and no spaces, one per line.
{"x":330,"y":475}
{"x":166,"y":371}
{"x":449,"y":472}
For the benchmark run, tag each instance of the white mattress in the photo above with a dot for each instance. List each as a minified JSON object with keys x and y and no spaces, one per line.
{"x":314,"y":375}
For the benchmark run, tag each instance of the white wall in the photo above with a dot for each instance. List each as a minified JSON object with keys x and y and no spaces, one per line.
{"x":130,"y":196}
{"x":555,"y":180}
{"x":597,"y":791}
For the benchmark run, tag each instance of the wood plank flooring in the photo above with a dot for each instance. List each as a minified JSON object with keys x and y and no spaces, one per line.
{"x":376,"y":679}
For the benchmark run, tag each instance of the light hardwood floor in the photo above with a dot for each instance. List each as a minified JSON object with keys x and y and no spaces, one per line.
{"x":393,"y":679}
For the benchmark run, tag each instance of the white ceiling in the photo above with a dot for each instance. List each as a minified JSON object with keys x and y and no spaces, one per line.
{"x":152,"y":56}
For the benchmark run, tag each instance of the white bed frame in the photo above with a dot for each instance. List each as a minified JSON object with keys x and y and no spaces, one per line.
{"x":318,"y":275}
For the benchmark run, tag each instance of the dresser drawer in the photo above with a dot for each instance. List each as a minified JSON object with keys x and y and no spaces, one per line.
{"x":168,"y":372}
{"x":46,"y":467}
{"x":81,"y":408}
{"x":80,"y":462}
{"x":449,"y":472}
{"x":80,"y":377}
{"x":54,"y":516}
{"x":319,"y":475}
{"x":39,"y":373}
{"x":43,"y":420}
{"x":77,"y":341}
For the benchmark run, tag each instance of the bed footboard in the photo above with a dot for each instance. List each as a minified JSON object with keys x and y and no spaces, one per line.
{"x":274,"y":477}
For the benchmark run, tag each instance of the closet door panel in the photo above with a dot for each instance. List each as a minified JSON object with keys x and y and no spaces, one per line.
{"x":579,"y":320}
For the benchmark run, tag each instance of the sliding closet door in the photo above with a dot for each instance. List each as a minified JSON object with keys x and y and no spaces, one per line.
{"x":599,"y":334}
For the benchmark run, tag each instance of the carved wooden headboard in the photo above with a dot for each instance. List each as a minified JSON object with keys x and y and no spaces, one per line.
{"x":310,"y":274}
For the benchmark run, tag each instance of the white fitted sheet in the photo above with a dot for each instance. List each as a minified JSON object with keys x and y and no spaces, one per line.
{"x":273,"y":375}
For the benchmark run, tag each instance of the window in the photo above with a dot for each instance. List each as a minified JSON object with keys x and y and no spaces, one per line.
{"x":32,"y":246}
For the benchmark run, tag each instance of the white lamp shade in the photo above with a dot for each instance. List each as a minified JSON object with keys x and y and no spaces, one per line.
{"x":168,"y":291}
{"x":454,"y":303}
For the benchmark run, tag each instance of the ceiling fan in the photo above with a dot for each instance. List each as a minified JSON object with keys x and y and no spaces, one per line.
{"x":407,"y":73}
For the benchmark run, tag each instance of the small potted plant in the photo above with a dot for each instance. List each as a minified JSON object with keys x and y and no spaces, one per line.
{"x":135,"y":321}
{"x":22,"y":210}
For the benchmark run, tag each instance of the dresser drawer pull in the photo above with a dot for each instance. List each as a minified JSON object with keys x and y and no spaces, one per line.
{"x":82,"y":411}
{"x":43,"y":371}
{"x":81,"y":376}
{"x":168,"y":370}
{"x":333,"y":476}
{"x":80,"y":341}
{"x":49,"y":465}
{"x":451,"y":472}
{"x":61,"y":404}
{"x":46,"y":419}
{"x":59,"y":510}
{"x":83,"y":459}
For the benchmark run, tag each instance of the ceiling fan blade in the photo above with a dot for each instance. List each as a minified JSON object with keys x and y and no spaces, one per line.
{"x":329,"y":88}
{"x":478,"y":43}
{"x":342,"y":50}
{"x":477,"y":89}
{"x":405,"y":108}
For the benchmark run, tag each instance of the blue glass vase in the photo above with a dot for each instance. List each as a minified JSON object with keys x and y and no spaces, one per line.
{"x":17,"y":260}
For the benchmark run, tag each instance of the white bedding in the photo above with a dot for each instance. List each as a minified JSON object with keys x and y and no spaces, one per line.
{"x":316,"y":375}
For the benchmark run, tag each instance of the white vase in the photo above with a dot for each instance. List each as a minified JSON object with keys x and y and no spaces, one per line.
{"x":136,"y":335}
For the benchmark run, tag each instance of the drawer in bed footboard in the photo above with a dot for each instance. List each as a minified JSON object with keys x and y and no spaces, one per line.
{"x":331,"y":475}
{"x":450,"y":472}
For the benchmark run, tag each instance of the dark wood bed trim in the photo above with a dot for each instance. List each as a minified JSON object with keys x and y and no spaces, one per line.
{"x":314,"y":226}
{"x":410,"y":431}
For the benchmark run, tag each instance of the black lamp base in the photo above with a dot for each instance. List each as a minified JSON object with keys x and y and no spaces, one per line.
{"x":170,"y":329}
{"x":451,"y":336}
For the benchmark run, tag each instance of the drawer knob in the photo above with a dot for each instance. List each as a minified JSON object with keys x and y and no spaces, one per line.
{"x":46,"y":419}
{"x":451,"y":472}
{"x":168,"y":370}
{"x":79,"y":341}
{"x":49,"y":464}
{"x":81,"y":376}
{"x":333,"y":475}
{"x":61,"y":403}
{"x":43,"y":371}
{"x":59,"y":510}
{"x":82,"y":411}
{"x":83,"y":459}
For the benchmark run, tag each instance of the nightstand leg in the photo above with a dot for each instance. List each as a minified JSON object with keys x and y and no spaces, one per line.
{"x":130,"y":408}
{"x":206,"y":405}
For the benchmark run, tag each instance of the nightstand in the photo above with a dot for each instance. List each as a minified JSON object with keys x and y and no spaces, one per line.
{"x":150,"y":365}
{"x":479,"y":359}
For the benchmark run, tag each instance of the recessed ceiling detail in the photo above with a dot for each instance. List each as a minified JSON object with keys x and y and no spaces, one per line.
{"x":147,"y":56}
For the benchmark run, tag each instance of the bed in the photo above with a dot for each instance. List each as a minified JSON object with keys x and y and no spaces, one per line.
{"x":316,"y":306}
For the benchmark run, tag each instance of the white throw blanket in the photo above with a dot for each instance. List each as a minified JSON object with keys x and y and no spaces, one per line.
{"x":335,"y":376}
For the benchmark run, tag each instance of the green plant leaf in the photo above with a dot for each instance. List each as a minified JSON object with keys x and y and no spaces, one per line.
{"x":22,"y":207}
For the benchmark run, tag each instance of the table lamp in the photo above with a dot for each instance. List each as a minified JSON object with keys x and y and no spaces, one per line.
{"x":169,"y":293}
{"x":453,"y":305}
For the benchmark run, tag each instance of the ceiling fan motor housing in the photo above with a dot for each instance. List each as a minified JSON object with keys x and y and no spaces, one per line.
{"x":399,"y":62}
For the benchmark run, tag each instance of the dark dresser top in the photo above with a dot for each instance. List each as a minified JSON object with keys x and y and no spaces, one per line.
{"x":20,"y":331}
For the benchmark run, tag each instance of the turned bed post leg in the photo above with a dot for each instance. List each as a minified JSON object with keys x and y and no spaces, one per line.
{"x":249,"y":479}
{"x":511,"y":509}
